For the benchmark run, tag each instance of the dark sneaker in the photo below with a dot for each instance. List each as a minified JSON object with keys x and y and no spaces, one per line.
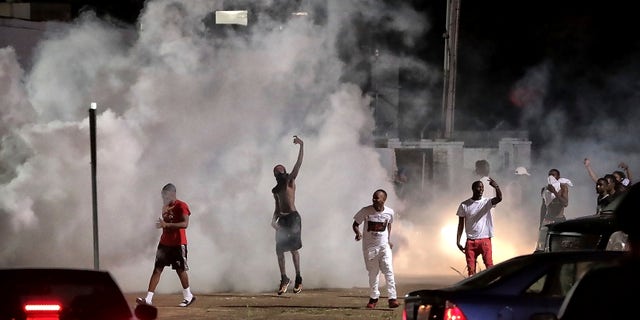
{"x":298,"y":286}
{"x":141,"y":301}
{"x":284,"y":285}
{"x":372,"y":303}
{"x":186,"y":303}
{"x":393,"y":303}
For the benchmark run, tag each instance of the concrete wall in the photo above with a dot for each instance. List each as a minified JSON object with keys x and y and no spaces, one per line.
{"x":446,"y":162}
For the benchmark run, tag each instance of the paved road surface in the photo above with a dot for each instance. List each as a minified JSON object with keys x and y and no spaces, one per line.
{"x":325,"y":304}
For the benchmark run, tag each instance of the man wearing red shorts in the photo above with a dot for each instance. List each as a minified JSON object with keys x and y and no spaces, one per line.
{"x":475,"y":216}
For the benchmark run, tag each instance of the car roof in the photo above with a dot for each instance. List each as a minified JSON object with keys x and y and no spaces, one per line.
{"x":50,"y":271}
{"x":605,"y":219}
{"x":586,"y":224}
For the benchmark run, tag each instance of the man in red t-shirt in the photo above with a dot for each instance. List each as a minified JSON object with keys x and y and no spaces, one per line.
{"x":172,"y":248}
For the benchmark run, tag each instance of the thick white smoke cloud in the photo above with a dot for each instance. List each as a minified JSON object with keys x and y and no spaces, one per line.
{"x":212,"y":115}
{"x":605,"y":140}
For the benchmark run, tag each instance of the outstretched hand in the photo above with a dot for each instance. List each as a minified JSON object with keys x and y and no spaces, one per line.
{"x":297,"y":140}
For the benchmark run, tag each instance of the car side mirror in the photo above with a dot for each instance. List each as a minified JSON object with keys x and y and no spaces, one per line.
{"x":146,"y":312}
{"x":544,"y":316}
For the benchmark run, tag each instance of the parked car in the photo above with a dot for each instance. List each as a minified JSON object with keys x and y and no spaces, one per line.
{"x":59,"y":294}
{"x":600,"y":294}
{"x":592,"y":232}
{"x":513,"y":289}
{"x":607,"y":292}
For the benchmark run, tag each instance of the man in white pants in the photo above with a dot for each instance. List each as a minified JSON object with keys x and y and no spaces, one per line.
{"x":376,"y":246}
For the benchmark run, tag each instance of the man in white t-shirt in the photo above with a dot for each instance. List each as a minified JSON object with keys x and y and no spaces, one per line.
{"x":376,"y":247}
{"x":475,"y":216}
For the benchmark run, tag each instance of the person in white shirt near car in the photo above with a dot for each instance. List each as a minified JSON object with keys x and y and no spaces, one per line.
{"x":475,"y":216}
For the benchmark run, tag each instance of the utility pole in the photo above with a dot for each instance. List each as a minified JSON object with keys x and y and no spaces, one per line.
{"x":94,"y":195}
{"x":450,"y":62}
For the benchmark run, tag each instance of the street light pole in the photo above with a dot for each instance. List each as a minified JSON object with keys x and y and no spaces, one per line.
{"x":94,"y":197}
{"x":450,"y":62}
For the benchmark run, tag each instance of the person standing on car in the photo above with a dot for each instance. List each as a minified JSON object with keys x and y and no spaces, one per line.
{"x":555,"y":197}
{"x":376,"y":246}
{"x":602,"y":191}
{"x":286,"y":220}
{"x":604,"y":292}
{"x":623,"y":177}
{"x":475,"y":216}
{"x":172,"y":247}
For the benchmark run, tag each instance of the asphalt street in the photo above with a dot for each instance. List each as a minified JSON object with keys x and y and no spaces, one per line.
{"x":311,"y":303}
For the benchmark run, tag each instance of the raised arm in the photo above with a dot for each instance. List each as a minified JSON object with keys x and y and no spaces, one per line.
{"x":495,"y":200}
{"x":296,"y":167}
{"x":625,"y":167}
{"x":587,"y":165}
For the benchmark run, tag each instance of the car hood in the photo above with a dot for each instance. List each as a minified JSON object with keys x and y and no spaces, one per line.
{"x":587,"y":224}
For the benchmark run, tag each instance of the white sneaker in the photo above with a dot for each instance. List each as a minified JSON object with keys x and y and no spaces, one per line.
{"x":186,"y":303}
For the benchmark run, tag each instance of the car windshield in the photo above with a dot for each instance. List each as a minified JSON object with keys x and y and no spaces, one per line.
{"x":488,"y":276}
{"x":537,"y":265}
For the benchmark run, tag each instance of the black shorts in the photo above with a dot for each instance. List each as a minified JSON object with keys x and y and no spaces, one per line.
{"x":288,"y":235}
{"x":176,"y":257}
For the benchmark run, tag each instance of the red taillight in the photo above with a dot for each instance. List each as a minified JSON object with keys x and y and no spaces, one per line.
{"x":42,"y":307}
{"x":42,"y":311}
{"x":452,"y":312}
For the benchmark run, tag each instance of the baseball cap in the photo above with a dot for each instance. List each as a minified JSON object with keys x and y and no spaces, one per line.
{"x":522,"y":171}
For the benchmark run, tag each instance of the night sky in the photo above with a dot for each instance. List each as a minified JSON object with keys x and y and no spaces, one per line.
{"x":588,"y":49}
{"x":593,"y":50}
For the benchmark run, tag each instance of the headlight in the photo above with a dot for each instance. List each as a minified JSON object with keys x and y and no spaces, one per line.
{"x":618,"y":242}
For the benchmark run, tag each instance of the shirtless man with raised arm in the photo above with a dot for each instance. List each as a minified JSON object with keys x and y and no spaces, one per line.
{"x":286,"y":220}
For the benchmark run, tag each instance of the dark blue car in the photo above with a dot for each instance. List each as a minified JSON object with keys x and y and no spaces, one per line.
{"x":513,"y":289}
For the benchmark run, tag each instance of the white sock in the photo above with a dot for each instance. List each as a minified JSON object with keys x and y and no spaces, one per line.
{"x":186,"y":293}
{"x":149,"y":297}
